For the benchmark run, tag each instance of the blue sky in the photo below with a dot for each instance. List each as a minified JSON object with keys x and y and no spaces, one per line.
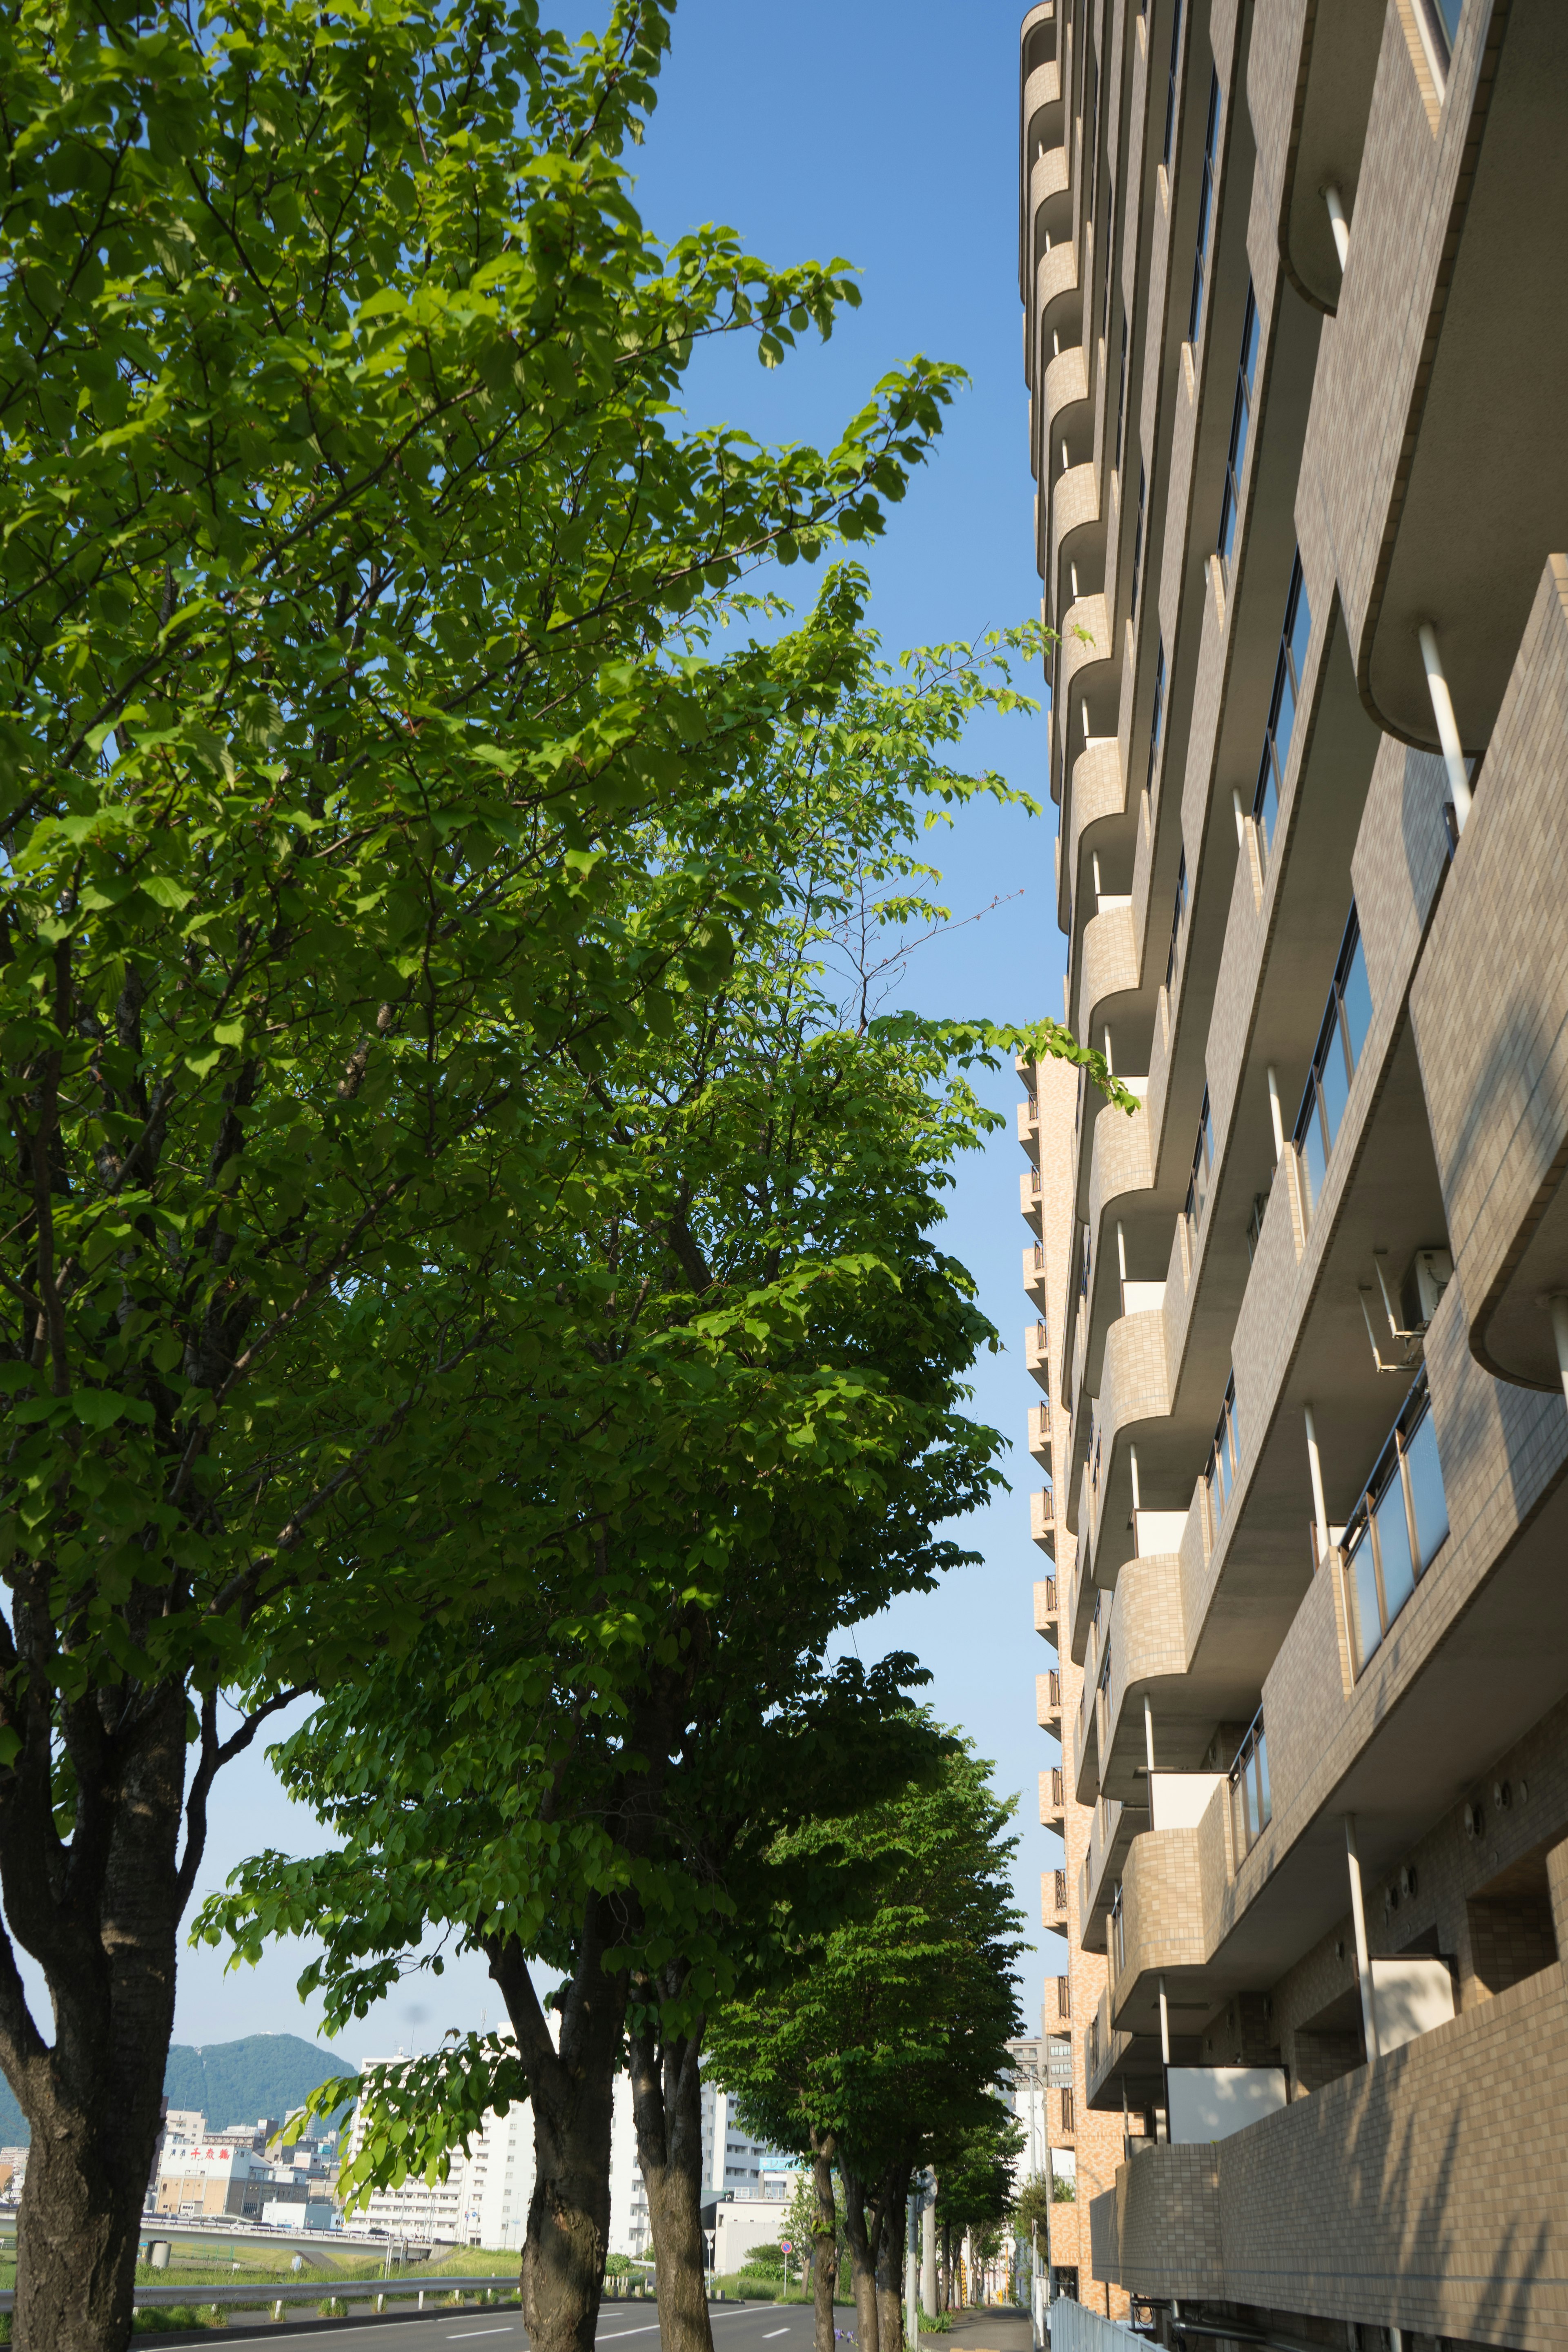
{"x":887,"y":135}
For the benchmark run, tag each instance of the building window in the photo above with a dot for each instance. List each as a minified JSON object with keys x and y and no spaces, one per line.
{"x":1203,"y":1167}
{"x":1171,"y":85}
{"x":1251,"y":1800}
{"x":1205,"y":213}
{"x":1397,"y":1527}
{"x":1225,"y":1457}
{"x":1137,"y":544}
{"x":1121,"y":395}
{"x":1118,"y":1929}
{"x":1240,"y":427}
{"x":1438,"y":24}
{"x":1346,"y":1020}
{"x":1282,"y":704}
{"x":1177,"y":913}
{"x":1156,"y":716}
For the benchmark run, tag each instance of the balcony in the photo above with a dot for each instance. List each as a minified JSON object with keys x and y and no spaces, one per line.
{"x":1034,"y":1267}
{"x":1051,"y":1792}
{"x":1029,"y":1198}
{"x":1054,"y":1900}
{"x":1047,"y":1622}
{"x":1040,"y":1434}
{"x":1042,"y":1521}
{"x":1029,"y":1128}
{"x":1421,"y":2193}
{"x":1036,"y":1354}
{"x":1048,"y":1702}
{"x":1489,"y":1009}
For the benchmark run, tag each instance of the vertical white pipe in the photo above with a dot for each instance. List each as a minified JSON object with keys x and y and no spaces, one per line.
{"x":1558,"y":1305}
{"x":1121,"y":1250}
{"x":1165,"y":2027}
{"x":1362,"y":1958}
{"x":1094,"y":860}
{"x":1240,"y":820}
{"x":1320,"y":1509}
{"x":1072,"y":575}
{"x":1447,"y":726}
{"x":1338,"y":223}
{"x":1275,"y":1119}
{"x":1109,"y":1063}
{"x":1149,"y":1732}
{"x":927,"y":2257}
{"x":1132,"y":1464}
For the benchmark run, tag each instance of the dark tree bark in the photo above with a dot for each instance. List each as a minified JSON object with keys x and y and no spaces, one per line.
{"x":666,"y":2111}
{"x":824,"y":2240}
{"x":572,"y":2092}
{"x":99,"y":1911}
{"x":860,"y":2229}
{"x":891,"y":2209}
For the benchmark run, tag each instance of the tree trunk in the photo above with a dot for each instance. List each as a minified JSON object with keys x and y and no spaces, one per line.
{"x":892,"y":2230}
{"x":858,"y":2227}
{"x":824,"y":2242}
{"x":667,"y":2109}
{"x":101,"y":1916}
{"x":573,"y":2095}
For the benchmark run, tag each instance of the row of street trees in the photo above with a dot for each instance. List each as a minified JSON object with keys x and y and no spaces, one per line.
{"x":468,"y":1230}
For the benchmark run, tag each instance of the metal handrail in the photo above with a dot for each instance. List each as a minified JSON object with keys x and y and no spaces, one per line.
{"x":260,"y":2291}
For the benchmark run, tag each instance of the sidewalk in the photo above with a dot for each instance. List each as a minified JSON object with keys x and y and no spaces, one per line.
{"x":997,"y":2329}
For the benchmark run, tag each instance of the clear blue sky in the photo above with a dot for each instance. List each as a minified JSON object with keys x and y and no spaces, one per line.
{"x":888,"y":135}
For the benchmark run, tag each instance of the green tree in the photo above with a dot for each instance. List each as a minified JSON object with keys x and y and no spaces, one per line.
{"x":744,"y":1429}
{"x":878,"y":2053}
{"x":355,"y":571}
{"x":976,"y":2180}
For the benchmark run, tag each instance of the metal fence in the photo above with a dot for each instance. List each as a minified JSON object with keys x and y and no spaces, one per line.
{"x":268,"y":2294}
{"x":1073,"y":2327}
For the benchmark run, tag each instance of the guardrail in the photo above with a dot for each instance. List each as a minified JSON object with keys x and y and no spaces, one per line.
{"x":430,"y":2293}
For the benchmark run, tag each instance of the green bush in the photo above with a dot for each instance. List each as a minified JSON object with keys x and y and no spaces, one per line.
{"x":940,"y":2325}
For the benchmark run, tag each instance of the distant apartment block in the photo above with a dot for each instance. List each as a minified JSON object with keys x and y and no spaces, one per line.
{"x":1292,"y":275}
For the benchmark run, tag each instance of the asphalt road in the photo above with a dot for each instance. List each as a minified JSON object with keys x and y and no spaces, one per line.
{"x":745,"y":2327}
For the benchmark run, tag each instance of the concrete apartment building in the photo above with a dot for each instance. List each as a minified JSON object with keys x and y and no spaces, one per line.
{"x":1292,"y":275}
{"x":1067,"y":2141}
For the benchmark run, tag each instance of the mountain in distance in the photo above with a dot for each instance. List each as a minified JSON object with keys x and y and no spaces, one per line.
{"x":228,"y":2082}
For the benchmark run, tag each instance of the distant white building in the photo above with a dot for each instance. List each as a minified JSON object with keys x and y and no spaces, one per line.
{"x":484,"y":2200}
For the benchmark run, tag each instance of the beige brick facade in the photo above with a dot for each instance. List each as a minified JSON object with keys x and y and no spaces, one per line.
{"x":1295,"y":343}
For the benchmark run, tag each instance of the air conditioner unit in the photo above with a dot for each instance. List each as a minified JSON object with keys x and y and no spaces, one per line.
{"x":1426,"y":1277}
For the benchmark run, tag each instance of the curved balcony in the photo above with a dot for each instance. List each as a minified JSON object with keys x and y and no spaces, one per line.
{"x":1048,"y":1702}
{"x":1047,"y":1618}
{"x":1108,"y":968}
{"x":1096,"y":797}
{"x":1148,"y":1660}
{"x":1064,"y":384}
{"x":1042,"y":1521}
{"x":1120,"y":1168}
{"x":1163,"y":1927}
{"x":1489,"y":1009}
{"x":1055,"y":274}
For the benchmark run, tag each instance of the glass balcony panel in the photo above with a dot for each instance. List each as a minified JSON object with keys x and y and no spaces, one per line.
{"x":1284,"y":714}
{"x":1333,"y":1086}
{"x":1426,"y":1496}
{"x":1360,"y":1583}
{"x":1358,"y":1004}
{"x":1393,"y":1548}
{"x":1268,"y":797}
{"x":1265,"y":1794}
{"x":1250,"y":1783}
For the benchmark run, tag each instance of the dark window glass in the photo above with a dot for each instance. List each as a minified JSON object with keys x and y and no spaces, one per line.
{"x":1429,"y":1505}
{"x":1138,"y":543}
{"x":1205,"y":213}
{"x":1156,"y":719}
{"x":1398,"y":1525}
{"x":1347,"y":1017}
{"x":1293,"y":639}
{"x":1357,"y":1002}
{"x":1240,"y":427}
{"x":1121,"y":395}
{"x":1171,"y":86}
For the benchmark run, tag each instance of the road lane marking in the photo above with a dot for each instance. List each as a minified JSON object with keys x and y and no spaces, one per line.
{"x":504,"y":2329}
{"x":772,"y":2332}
